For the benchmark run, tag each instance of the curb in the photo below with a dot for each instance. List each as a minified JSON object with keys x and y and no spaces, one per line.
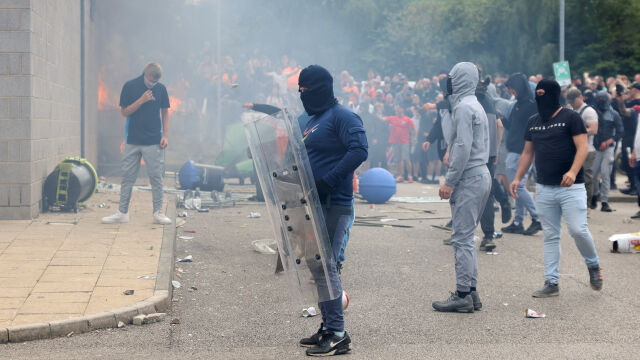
{"x":159,"y":302}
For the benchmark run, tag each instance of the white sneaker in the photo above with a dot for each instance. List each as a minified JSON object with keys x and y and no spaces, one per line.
{"x":117,"y":218}
{"x":160,"y":218}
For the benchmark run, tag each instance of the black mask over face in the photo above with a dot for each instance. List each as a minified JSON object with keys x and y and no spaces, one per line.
{"x":318,"y":95}
{"x":547,"y":98}
{"x":446,"y":86}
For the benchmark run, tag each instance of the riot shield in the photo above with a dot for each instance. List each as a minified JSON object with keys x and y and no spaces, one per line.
{"x":293,"y":205}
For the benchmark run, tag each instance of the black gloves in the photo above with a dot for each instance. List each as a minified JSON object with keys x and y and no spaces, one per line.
{"x":323,"y":188}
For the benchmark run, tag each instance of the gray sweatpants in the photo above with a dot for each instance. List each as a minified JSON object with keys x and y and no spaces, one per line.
{"x":603,"y":164}
{"x":153,"y":156}
{"x":467,"y":203}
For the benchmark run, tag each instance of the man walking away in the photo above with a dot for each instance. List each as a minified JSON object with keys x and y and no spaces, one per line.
{"x":516,"y":123}
{"x":590,"y":120}
{"x":145,"y":103}
{"x":557,"y":138}
{"x":467,"y":183}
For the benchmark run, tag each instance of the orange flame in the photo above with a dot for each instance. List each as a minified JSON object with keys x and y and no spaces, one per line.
{"x":104,"y":94}
{"x":174,"y":103}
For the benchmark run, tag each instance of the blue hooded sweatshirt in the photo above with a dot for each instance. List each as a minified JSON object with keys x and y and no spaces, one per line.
{"x":334,"y":135}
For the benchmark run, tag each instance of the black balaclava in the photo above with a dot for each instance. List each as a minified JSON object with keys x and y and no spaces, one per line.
{"x":520,"y":84}
{"x":318,"y":97}
{"x":547,"y":98}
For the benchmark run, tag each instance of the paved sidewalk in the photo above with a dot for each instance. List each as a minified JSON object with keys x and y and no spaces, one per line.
{"x":66,"y":265}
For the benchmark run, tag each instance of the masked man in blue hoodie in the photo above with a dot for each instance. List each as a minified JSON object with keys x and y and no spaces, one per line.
{"x":467,"y":183}
{"x":336,"y":145}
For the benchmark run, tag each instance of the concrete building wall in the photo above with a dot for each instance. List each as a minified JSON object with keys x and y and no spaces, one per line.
{"x":39,"y":98}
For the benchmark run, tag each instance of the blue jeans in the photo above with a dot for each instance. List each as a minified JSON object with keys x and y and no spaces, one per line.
{"x":524,"y":200}
{"x":337,"y":219}
{"x":340,"y":257}
{"x":554,"y":202}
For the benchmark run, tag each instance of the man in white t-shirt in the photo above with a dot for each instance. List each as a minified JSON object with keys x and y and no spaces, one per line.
{"x":590,"y":119}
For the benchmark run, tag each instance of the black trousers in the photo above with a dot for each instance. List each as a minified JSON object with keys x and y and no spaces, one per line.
{"x":488,"y":215}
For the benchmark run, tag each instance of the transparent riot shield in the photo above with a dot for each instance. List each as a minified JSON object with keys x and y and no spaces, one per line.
{"x":292,"y":201}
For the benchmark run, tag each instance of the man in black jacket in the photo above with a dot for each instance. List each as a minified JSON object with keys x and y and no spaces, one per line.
{"x":516,"y":124}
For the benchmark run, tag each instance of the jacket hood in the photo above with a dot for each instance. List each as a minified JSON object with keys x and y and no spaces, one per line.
{"x":319,"y":94}
{"x":464,"y":80}
{"x":520,"y":84}
{"x":603,"y":100}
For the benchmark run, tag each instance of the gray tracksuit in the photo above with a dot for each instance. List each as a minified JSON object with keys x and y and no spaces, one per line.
{"x":466,"y":129}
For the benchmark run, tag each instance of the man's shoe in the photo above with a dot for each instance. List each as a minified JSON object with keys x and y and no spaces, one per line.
{"x":117,"y":218}
{"x":605,"y":207}
{"x":514,"y":229}
{"x":160,"y":218}
{"x":410,"y":179}
{"x":487,"y":244}
{"x":594,"y":202}
{"x":636,"y":215}
{"x":629,"y":191}
{"x":454,"y":304}
{"x":506,"y":211}
{"x":595,"y":278}
{"x":548,"y":290}
{"x":312,"y":340}
{"x":331,"y":344}
{"x":477,"y":304}
{"x":533,"y":228}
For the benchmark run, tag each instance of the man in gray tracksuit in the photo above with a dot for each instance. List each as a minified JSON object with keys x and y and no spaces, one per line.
{"x":467,"y":183}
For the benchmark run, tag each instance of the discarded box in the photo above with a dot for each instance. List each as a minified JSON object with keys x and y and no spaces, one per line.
{"x":626,"y":243}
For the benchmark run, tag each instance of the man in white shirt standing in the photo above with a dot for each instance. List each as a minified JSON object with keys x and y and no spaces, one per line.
{"x":590,"y":119}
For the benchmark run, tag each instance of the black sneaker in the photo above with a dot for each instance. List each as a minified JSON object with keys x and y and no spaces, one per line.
{"x":454,"y":304}
{"x":506,"y":211}
{"x":514,"y":229}
{"x":629,"y":191}
{"x":313,"y":339}
{"x":331,"y":344}
{"x":594,"y":202}
{"x":548,"y":290}
{"x":533,"y":228}
{"x":605,"y":207}
{"x":595,"y":278}
{"x":477,"y":304}
{"x":636,"y":215}
{"x":487,"y":244}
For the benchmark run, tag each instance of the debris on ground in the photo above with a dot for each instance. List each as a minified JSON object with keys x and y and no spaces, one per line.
{"x":102,"y":205}
{"x":492,"y":253}
{"x":176,"y":284}
{"x":203,"y":210}
{"x":193,"y":288}
{"x":148,"y":319}
{"x":254,"y":215}
{"x":70,"y":334}
{"x":625,"y":243}
{"x":190,"y":231}
{"x":187,"y":258}
{"x":180,"y":223}
{"x":182,"y":237}
{"x":175,"y":321}
{"x":309,"y":312}
{"x":62,"y":222}
{"x":183,"y":214}
{"x":120,"y":324}
{"x":146,"y":277}
{"x":532,"y":314}
{"x":128,"y":292}
{"x":265,"y":246}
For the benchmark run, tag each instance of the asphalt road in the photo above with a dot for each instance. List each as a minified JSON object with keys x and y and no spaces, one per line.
{"x":241,"y":310}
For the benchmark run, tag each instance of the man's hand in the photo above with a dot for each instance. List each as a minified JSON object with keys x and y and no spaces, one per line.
{"x":248,"y":106}
{"x":164,"y":142}
{"x":425,"y":146}
{"x":513,"y":188}
{"x":605,"y":144}
{"x":445,"y":159}
{"x":568,"y":179}
{"x":445,"y":192}
{"x":147,"y":96}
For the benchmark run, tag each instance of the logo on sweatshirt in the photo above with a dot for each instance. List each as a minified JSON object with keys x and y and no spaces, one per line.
{"x":309,"y":131}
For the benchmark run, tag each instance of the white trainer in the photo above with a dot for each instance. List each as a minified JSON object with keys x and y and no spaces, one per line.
{"x":160,"y":218}
{"x":117,"y":218}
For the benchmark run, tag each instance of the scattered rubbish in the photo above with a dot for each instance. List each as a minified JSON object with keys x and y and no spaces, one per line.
{"x":102,"y":205}
{"x":532,"y":314}
{"x":180,"y":223}
{"x":120,"y":324}
{"x":387,"y":220}
{"x":176,"y":284}
{"x":148,"y":319}
{"x":625,"y":243}
{"x":193,"y":288}
{"x":128,"y":292}
{"x":187,"y":258}
{"x":146,"y":277}
{"x":180,"y":270}
{"x":70,"y":334}
{"x":254,"y":215}
{"x":309,"y":312}
{"x":414,"y":200}
{"x":492,"y":253}
{"x":505,"y":304}
{"x":62,"y":222}
{"x":175,"y":321}
{"x":190,"y":231}
{"x":193,"y":203}
{"x":182,"y":237}
{"x":203,"y":210}
{"x":265,"y":246}
{"x":137,"y":320}
{"x":183,"y":214}
{"x":439,"y":270}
